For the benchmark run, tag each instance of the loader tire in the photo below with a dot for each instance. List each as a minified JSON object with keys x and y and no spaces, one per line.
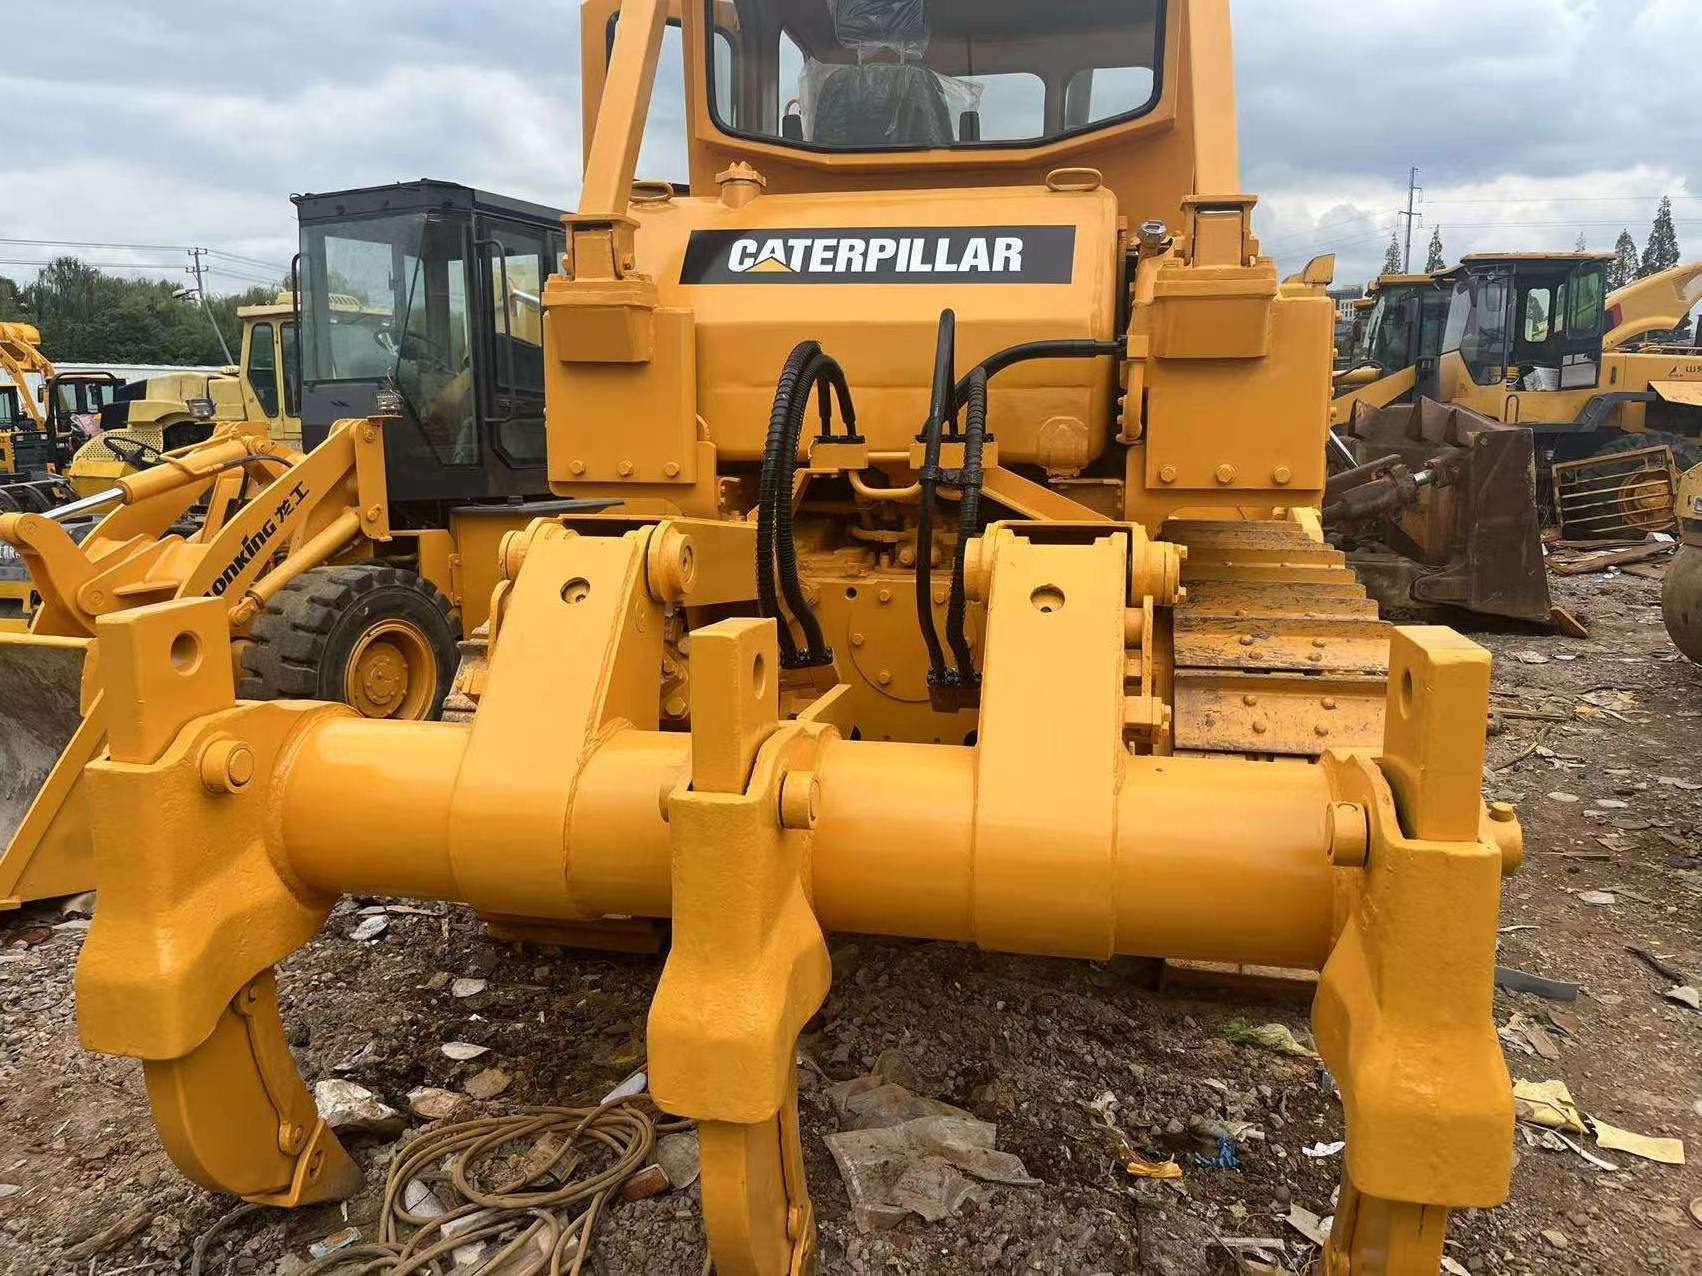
{"x":1686,"y":451}
{"x":1640,"y":513}
{"x":1681,"y":602}
{"x":380,"y":639}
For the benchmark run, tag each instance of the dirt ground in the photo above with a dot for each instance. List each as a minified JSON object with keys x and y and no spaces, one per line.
{"x":1610,"y":793}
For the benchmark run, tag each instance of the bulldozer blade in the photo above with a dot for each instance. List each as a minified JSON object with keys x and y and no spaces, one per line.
{"x":44,"y":743}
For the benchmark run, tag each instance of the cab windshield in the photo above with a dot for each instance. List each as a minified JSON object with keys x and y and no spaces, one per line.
{"x":881,"y":75}
{"x":385,"y":301}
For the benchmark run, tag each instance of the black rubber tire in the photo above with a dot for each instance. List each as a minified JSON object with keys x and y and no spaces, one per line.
{"x":1686,"y":451}
{"x":1681,"y":602}
{"x":1686,"y":455}
{"x":303,"y":640}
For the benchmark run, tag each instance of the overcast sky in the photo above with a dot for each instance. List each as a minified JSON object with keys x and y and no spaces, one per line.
{"x":192,"y":122}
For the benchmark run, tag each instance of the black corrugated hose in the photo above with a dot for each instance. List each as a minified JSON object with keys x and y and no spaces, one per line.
{"x":807,"y":370}
{"x":969,"y":525}
{"x":941,"y":409}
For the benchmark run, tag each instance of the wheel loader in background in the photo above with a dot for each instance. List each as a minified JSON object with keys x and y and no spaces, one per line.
{"x":1535,"y":339}
{"x":967,"y":584}
{"x":348,"y":573}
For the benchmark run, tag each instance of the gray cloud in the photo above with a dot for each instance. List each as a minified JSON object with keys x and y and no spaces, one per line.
{"x":193,"y":122}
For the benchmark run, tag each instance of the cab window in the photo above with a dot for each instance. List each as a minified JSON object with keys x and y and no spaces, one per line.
{"x":263,"y":369}
{"x":292,"y":377}
{"x":874,"y":75}
{"x":1539,"y":311}
{"x":1588,"y":298}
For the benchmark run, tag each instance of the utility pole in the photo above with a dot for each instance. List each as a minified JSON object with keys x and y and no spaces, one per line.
{"x":1414,"y":192}
{"x":201,"y":299}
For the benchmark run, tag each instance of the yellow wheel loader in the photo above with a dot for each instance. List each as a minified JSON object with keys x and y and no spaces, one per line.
{"x":1536,"y":340}
{"x":348,"y":573}
{"x":1681,"y":591}
{"x":967,"y":584}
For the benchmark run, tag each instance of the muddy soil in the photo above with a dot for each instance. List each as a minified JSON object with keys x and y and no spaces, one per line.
{"x":1608,"y":792}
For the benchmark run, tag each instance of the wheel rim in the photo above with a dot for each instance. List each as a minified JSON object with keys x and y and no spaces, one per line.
{"x":392,"y":673}
{"x":1643,"y":509}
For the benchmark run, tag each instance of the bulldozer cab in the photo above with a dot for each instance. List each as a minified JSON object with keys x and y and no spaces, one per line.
{"x":884,"y":94}
{"x":1533,"y":322}
{"x":432,"y":290}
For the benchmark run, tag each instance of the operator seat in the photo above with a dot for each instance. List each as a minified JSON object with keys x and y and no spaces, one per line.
{"x":879,"y":104}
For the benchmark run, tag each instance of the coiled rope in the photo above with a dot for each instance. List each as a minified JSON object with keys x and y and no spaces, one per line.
{"x":541,"y":1215}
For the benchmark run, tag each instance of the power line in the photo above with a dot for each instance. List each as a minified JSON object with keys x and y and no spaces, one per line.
{"x":1565,"y":199}
{"x":146,"y":248}
{"x":101,"y":265}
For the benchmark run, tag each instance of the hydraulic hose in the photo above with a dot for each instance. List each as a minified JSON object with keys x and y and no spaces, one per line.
{"x":941,"y":409}
{"x":969,"y":525}
{"x":768,"y":602}
{"x":808,"y":371}
{"x":1028,"y":352}
{"x":821,"y":371}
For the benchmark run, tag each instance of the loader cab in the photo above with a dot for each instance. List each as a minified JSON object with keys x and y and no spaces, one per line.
{"x":430,"y":289}
{"x":1531,"y":322}
{"x":1407,"y":320}
{"x":11,"y":410}
{"x":74,"y":403}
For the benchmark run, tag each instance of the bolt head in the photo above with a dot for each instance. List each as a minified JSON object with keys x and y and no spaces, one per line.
{"x":1167,"y":474}
{"x":672,"y":469}
{"x":1226,"y":474}
{"x":576,"y":467}
{"x":1283,"y":476}
{"x":624,"y":469}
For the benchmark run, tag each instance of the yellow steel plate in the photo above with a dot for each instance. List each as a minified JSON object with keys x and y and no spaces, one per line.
{"x":1688,"y":392}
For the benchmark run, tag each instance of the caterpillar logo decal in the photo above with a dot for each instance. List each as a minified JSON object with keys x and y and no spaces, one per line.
{"x":256,"y":541}
{"x":887,"y":255}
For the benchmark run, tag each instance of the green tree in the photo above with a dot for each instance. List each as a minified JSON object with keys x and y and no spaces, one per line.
{"x":1625,"y":266}
{"x":1436,"y":260}
{"x":1661,"y":253}
{"x":1393,"y":258}
{"x":87,"y":316}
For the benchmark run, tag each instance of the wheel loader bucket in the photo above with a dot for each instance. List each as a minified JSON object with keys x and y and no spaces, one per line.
{"x":45,"y":741}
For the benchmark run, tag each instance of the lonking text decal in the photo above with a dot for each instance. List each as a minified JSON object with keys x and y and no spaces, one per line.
{"x":255,"y":542}
{"x":884,"y":255}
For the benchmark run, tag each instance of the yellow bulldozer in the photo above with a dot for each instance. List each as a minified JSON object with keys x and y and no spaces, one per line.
{"x":349,"y":572}
{"x":967,"y":583}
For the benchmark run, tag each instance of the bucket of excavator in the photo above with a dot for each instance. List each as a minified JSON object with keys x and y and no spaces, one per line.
{"x":45,"y":740}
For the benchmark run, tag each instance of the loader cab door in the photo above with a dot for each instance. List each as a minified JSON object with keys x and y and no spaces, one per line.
{"x":262,"y":387}
{"x":514,"y":261}
{"x":1480,"y":319}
